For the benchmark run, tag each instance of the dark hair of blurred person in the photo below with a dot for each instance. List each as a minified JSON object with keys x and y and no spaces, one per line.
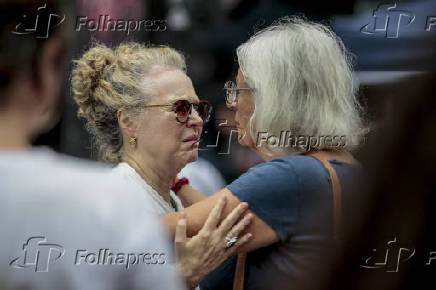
{"x":32,"y":52}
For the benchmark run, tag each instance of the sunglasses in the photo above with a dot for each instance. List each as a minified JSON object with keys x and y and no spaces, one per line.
{"x":183,"y":108}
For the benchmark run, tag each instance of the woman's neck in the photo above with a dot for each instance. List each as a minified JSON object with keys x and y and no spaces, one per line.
{"x":159,"y":178}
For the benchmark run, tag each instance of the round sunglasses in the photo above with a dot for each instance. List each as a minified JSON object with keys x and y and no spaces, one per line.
{"x":183,"y":108}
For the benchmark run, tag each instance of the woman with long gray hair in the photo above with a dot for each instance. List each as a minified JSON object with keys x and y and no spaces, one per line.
{"x":295,"y":107}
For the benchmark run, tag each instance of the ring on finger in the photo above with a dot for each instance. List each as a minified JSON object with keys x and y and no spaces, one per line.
{"x":230,"y":242}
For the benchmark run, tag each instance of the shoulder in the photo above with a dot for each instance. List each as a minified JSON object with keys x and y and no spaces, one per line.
{"x":284,"y":170}
{"x":298,"y":164}
{"x":273,"y":183}
{"x":284,"y":179}
{"x":47,"y":193}
{"x":47,"y":175}
{"x":60,"y":190}
{"x":302,"y":169}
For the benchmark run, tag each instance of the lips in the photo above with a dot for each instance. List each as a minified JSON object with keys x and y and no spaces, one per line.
{"x":195,"y":138}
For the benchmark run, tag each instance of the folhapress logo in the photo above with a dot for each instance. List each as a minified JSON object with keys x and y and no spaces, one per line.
{"x":38,"y":254}
{"x":40,"y":23}
{"x":391,"y":258}
{"x":387,"y":19}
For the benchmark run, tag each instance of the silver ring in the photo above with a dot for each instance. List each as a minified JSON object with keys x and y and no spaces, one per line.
{"x":231,"y":242}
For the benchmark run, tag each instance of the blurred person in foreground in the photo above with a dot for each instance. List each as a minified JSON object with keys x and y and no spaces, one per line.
{"x":294,"y":77}
{"x":67,"y":223}
{"x":390,"y":240}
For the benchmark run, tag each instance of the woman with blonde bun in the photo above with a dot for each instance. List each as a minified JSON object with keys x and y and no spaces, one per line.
{"x":129,"y":95}
{"x":146,"y":119}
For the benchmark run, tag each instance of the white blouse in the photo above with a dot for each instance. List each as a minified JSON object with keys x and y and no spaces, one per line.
{"x":153,"y":199}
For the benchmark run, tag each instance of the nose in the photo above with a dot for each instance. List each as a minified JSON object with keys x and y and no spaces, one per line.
{"x":194,"y":119}
{"x":232,"y":106}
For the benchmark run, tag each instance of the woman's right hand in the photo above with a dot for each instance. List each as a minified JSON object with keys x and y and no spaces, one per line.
{"x":198,"y":256}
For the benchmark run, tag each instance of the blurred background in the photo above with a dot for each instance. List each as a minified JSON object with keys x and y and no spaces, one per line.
{"x":396,"y":43}
{"x":393,"y":44}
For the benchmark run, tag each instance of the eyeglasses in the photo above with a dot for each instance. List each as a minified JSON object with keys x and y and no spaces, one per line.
{"x":183,"y":108}
{"x":231,"y":92}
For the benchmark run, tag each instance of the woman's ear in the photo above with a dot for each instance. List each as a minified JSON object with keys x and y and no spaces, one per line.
{"x":126,"y":123}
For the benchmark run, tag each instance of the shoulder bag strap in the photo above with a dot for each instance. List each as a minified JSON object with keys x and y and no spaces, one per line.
{"x":238,"y":282}
{"x":337,"y":195}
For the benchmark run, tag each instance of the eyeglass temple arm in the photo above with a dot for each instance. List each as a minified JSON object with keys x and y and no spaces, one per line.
{"x":148,"y":106}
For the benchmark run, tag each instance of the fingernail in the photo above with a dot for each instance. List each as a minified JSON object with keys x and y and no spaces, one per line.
{"x":249,"y":216}
{"x":244,"y":205}
{"x":182,"y":215}
{"x":249,"y":236}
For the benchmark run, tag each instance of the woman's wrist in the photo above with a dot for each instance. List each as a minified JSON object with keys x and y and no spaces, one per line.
{"x":178,"y":184}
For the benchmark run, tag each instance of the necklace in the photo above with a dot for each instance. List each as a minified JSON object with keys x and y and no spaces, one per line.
{"x":140,"y":171}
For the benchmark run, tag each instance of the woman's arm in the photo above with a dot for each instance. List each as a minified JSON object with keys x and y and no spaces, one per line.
{"x":262,"y":234}
{"x":189,"y":195}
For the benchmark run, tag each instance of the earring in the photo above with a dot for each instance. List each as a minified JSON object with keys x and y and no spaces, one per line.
{"x":132,"y":142}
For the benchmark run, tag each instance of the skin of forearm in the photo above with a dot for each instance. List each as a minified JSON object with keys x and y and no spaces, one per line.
{"x":189,"y":196}
{"x":263,"y":234}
